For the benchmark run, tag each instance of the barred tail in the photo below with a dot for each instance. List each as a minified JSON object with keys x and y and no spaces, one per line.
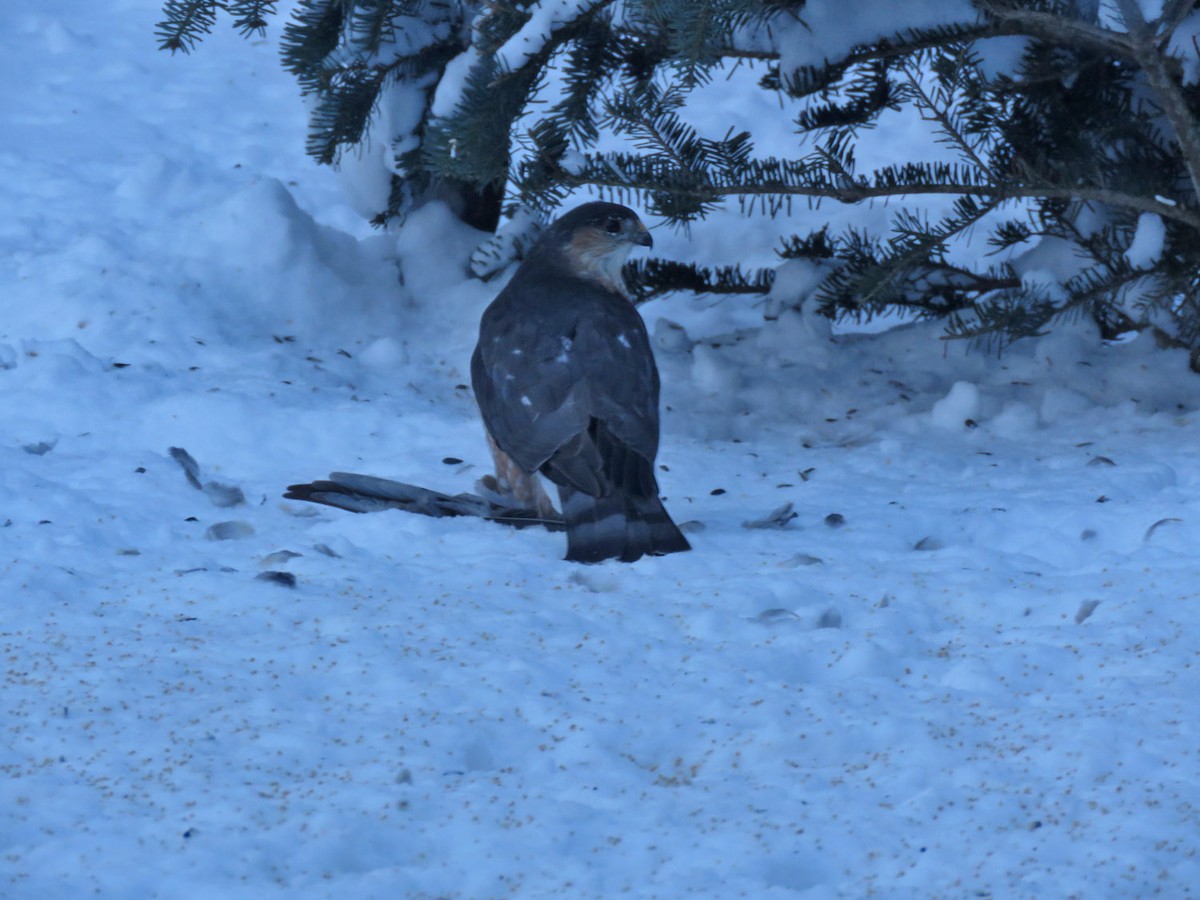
{"x":619,"y":526}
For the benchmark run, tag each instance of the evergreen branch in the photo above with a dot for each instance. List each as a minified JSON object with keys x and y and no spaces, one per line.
{"x":942,"y":116}
{"x":1173,"y":14}
{"x":1090,"y":287}
{"x":1171,"y":100}
{"x":910,"y":270}
{"x":1016,"y":315}
{"x":349,"y":96}
{"x":308,"y":40}
{"x":809,"y":80}
{"x":912,"y":43}
{"x":250,"y":16}
{"x":596,"y":48}
{"x":1005,"y":192}
{"x":186,"y":23}
{"x":775,"y":178}
{"x":700,"y":34}
{"x":978,"y":283}
{"x":1004,"y":317}
{"x":916,"y":243}
{"x":814,"y":245}
{"x":868,"y":94}
{"x":1089,"y":126}
{"x":1056,"y":28}
{"x":654,"y":277}
{"x":565,"y":32}
{"x":344,"y":111}
{"x":369,"y":24}
{"x":689,"y":39}
{"x":655,"y":126}
{"x":473,"y":143}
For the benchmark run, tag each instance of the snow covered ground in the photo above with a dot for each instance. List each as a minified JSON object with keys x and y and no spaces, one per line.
{"x":967,"y":667}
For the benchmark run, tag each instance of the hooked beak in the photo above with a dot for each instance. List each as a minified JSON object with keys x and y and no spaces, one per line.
{"x":641,"y":236}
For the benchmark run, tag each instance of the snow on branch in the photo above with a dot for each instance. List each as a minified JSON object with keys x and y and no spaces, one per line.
{"x":545,"y":18}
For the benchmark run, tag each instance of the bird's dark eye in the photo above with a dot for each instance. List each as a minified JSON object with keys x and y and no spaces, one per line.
{"x":613,"y":226}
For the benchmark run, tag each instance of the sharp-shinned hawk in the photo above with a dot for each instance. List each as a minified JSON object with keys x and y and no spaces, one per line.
{"x":567,"y":386}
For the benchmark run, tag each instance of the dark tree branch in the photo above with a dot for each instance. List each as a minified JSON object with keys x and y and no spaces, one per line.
{"x":1056,"y":29}
{"x":858,"y":192}
{"x":1171,"y":100}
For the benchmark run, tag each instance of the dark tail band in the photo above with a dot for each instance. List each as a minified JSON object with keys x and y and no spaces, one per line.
{"x":618,"y":526}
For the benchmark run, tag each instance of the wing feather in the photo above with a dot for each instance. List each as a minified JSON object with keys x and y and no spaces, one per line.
{"x":555,"y":354}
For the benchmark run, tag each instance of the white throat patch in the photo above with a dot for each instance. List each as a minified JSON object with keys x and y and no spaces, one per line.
{"x":596,"y":255}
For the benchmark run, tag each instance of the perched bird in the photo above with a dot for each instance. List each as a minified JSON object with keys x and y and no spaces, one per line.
{"x":567,"y":386}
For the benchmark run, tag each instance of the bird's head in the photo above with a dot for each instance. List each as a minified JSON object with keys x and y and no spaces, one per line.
{"x":596,"y":239}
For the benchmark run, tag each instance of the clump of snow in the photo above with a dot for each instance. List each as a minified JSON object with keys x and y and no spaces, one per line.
{"x":453,"y":82}
{"x":545,"y":17}
{"x":384,"y":354}
{"x":1146,"y":248}
{"x":1014,"y":421}
{"x":794,"y":283}
{"x":1062,"y":403}
{"x":1045,"y":265}
{"x":824,"y":31}
{"x":1151,"y":9}
{"x":365,"y":171}
{"x":510,"y":242}
{"x":1182,"y":47}
{"x":958,"y":409}
{"x":1001,"y":55}
{"x":1069,"y":344}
